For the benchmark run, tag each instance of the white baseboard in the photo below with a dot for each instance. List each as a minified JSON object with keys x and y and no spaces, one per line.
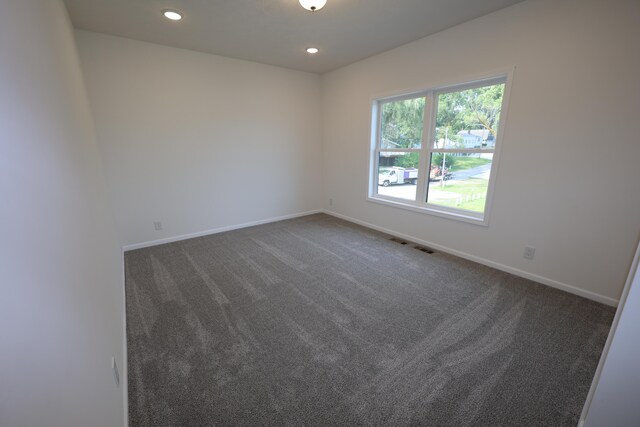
{"x":515,"y":271}
{"x":521,"y":273}
{"x":150,"y":243}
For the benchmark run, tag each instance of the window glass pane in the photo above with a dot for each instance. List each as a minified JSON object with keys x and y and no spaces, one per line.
{"x":398,"y":175}
{"x":468,"y":119}
{"x":465,"y":183}
{"x":402,"y":123}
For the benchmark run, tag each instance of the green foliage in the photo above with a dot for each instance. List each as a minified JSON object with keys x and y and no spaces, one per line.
{"x":409,"y":160}
{"x":483,"y":107}
{"x":449,"y":160}
{"x":402,"y":123}
{"x":476,"y":108}
{"x":448,"y":118}
{"x":471,"y":187}
{"x":464,"y":162}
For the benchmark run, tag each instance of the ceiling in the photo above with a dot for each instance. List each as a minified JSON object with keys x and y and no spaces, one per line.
{"x":277,"y":32}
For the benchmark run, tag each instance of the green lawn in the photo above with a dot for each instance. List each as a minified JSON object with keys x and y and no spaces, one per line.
{"x":450,"y":193}
{"x":462,"y":163}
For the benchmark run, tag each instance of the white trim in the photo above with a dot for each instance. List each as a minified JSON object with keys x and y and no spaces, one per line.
{"x":440,"y":211}
{"x":150,"y":243}
{"x":471,"y":79}
{"x":521,"y":273}
{"x":499,"y":142}
{"x":124,"y":369}
{"x":398,"y":150}
{"x":605,"y":351}
{"x":465,"y":150}
{"x":421,"y":203}
{"x":428,"y":136}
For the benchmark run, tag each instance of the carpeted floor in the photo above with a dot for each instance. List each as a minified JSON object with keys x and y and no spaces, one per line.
{"x":316,"y":321}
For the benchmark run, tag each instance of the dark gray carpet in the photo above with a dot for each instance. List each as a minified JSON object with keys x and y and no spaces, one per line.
{"x":316,"y":321}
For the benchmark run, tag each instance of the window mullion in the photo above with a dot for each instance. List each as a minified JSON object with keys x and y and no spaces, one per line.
{"x":376,"y":152}
{"x":425,"y":153}
{"x":464,"y":150}
{"x":400,"y":150}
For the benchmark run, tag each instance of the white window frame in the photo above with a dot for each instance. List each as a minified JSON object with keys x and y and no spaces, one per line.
{"x":428,"y":135}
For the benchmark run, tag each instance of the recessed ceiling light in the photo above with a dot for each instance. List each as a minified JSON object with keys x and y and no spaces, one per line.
{"x":172,"y":14}
{"x":313,"y":5}
{"x":312,"y":50}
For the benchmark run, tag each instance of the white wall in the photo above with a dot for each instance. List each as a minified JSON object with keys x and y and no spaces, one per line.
{"x":199,"y":141}
{"x":568,"y":177}
{"x":613,"y":399}
{"x":61,"y":291}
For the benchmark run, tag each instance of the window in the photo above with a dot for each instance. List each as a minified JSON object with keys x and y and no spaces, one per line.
{"x":451,"y":175}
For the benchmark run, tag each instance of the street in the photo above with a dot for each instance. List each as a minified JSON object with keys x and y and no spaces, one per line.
{"x":408,"y":191}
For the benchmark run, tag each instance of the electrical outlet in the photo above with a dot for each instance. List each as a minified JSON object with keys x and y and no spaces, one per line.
{"x":529,"y":252}
{"x":116,"y":374}
{"x":330,"y":202}
{"x":157,"y":225}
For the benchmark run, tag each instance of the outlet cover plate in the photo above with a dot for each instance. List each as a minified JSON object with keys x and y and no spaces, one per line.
{"x":529,"y":252}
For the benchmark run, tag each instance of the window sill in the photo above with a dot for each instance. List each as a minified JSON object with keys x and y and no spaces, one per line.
{"x":429,"y":210}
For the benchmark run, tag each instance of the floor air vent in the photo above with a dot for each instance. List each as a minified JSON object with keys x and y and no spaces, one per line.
{"x":418,"y":247}
{"x":395,"y":239}
{"x":425,"y":249}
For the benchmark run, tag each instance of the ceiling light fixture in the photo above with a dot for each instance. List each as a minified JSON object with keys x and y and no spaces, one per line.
{"x":174,"y":15}
{"x":312,"y":50}
{"x":313,"y":5}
